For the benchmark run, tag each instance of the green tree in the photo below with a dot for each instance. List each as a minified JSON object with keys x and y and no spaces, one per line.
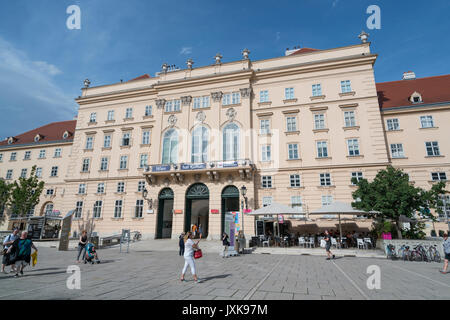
{"x":391,"y":195}
{"x":25,"y":194}
{"x":5,"y":194}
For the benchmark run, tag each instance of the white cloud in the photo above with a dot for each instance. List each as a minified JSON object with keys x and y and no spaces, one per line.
{"x":48,"y":68}
{"x":186,"y":50}
{"x":335,"y":2}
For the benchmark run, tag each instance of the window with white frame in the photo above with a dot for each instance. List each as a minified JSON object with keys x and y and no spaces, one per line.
{"x":23,"y":174}
{"x":89,"y":143}
{"x":107,"y":141}
{"x":266,"y":152}
{"x":85,"y":165}
{"x":200,"y":139}
{"x":235,"y":98}
{"x":231,"y":135}
{"x":205,"y":102}
{"x":296,"y":202}
{"x":264,"y":96}
{"x":57,"y":152}
{"x":146,"y":137}
{"x":13,"y":156}
{"x":49,"y":209}
{"x":120,"y":187}
{"x":129,"y":113}
{"x":322,"y":149}
{"x":293,"y":151}
{"x":9,"y":174}
{"x":426,"y":121}
{"x":176,"y":105}
{"x":42,"y":154}
{"x":126,"y":139}
{"x":264,"y":126}
{"x":291,"y":124}
{"x":266,"y":181}
{"x":170,"y":147}
{"x":294,"y":180}
{"x":197,"y":103}
{"x":82,"y":188}
{"x":148,"y":111}
{"x":39,"y":172}
{"x":393,"y":124}
{"x":353,"y":147}
{"x":397,"y":150}
{"x":327,"y":200}
{"x":101,"y":187}
{"x":54,"y":172}
{"x":143,"y":161}
{"x":445,"y":208}
{"x":349,"y":118}
{"x":438,"y":176}
{"x":139,"y":208}
{"x":289,"y":94}
{"x":97,"y":212}
{"x":110,"y":115}
{"x":346,"y":86}
{"x":118,"y":209}
{"x":104,"y":164}
{"x":267,"y":201}
{"x":141,"y":186}
{"x":169,"y":106}
{"x":93,"y":117}
{"x":79,"y":209}
{"x":226,"y":99}
{"x":325,"y":179}
{"x":27,"y":155}
{"x":316,"y":90}
{"x":357,"y":175}
{"x":432,"y":149}
{"x":123,"y":162}
{"x":319,"y":121}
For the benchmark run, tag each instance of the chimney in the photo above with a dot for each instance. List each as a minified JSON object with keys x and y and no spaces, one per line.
{"x":289,"y":52}
{"x":409,"y":75}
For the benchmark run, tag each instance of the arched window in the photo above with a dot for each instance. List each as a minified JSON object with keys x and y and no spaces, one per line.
{"x":200,"y":138}
{"x":170,"y":147}
{"x":48,"y":209}
{"x":231,"y":142}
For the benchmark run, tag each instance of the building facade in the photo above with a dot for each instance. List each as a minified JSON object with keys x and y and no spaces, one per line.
{"x":159,"y":154}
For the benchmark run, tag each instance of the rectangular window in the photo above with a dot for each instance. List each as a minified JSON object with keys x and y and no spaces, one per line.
{"x":397,"y":150}
{"x":432,"y":149}
{"x":319,"y":121}
{"x":445,"y":207}
{"x":267,"y":201}
{"x":23,"y":174}
{"x":39,"y":172}
{"x":392,"y":125}
{"x":317,"y":90}
{"x":169,"y":106}
{"x":123,"y":162}
{"x":427,"y":121}
{"x":57,"y":153}
{"x":50,"y":192}
{"x":89,"y":143}
{"x":293,"y":151}
{"x":197,"y":103}
{"x":110,"y":115}
{"x":85,"y":166}
{"x":325,"y":179}
{"x":291,"y":124}
{"x":349,"y":118}
{"x":9,"y":174}
{"x":176,"y":105}
{"x":1,"y":157}
{"x":327,"y":200}
{"x":346,"y":86}
{"x":42,"y":154}
{"x":236,"y":98}
{"x":266,"y":181}
{"x":205,"y":102}
{"x":322,"y":149}
{"x":353,"y":147}
{"x":296,"y":202}
{"x":107,"y":142}
{"x":289,"y":93}
{"x":120,"y":187}
{"x":101,"y":187}
{"x":264,"y":96}
{"x":129,"y":113}
{"x":139,"y":208}
{"x":141,"y":186}
{"x":82,"y":188}
{"x":295,"y":180}
{"x":265,"y":153}
{"x":438,"y":176}
{"x":357,"y":175}
{"x":118,"y":209}
{"x":93,"y":117}
{"x":146,"y":137}
{"x":104,"y":164}
{"x":79,"y":209}
{"x":126,"y":141}
{"x":264,"y":126}
{"x":97,"y":209}
{"x":27,"y":155}
{"x":143,"y":162}
{"x":226,"y":99}
{"x":148,"y":111}
{"x":13,"y":156}
{"x":54,"y":172}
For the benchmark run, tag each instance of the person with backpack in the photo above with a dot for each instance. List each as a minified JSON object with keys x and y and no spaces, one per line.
{"x":20,"y":252}
{"x":9,"y":240}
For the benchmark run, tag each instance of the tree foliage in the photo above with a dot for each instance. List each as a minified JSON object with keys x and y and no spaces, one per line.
{"x":25,"y":194}
{"x":391,"y":195}
{"x":5,"y":194}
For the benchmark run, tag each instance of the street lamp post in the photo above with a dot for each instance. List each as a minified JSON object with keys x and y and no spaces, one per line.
{"x":149,"y":200}
{"x":245,"y":199}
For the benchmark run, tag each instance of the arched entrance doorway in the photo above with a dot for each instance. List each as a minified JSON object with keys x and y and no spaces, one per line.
{"x":230,"y":202}
{"x":165,"y":214}
{"x":197,"y":208}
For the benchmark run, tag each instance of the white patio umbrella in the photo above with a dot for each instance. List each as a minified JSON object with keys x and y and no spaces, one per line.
{"x":339,"y":208}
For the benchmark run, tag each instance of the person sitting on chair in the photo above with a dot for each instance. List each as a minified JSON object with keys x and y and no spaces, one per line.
{"x":91,"y":254}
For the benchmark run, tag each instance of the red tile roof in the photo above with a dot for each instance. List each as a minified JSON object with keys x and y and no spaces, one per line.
{"x":145,"y":76}
{"x":50,"y":132}
{"x":304,"y":50}
{"x":397,"y":93}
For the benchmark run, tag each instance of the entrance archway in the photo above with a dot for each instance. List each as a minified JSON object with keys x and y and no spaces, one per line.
{"x":230,"y":202}
{"x":197,"y":208}
{"x":165,"y":214}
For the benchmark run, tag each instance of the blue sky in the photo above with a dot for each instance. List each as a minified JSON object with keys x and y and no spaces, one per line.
{"x":43,"y":64}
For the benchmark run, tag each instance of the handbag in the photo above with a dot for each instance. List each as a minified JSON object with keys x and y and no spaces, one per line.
{"x":198,"y":254}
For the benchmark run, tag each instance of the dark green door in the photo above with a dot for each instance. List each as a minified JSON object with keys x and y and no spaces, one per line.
{"x":165,"y":195}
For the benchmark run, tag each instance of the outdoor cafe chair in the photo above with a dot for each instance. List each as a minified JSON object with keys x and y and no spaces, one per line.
{"x":361,"y":243}
{"x":368,"y":243}
{"x":301,"y":241}
{"x":334,"y":242}
{"x":312,"y":243}
{"x":343,"y":242}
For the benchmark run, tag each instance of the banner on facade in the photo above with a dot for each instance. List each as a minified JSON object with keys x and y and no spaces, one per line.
{"x":230,"y":229}
{"x":160,"y":168}
{"x":227,"y":164}
{"x":193,"y":166}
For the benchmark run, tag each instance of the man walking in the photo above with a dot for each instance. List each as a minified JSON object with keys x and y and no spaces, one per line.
{"x":328,"y":245}
{"x":9,"y":240}
{"x":181,"y":244}
{"x":446,"y":246}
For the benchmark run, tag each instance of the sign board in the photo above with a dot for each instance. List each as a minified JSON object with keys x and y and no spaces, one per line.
{"x":214,"y":211}
{"x":150,"y":211}
{"x":230,"y":229}
{"x":191,"y":166}
{"x":65,"y":231}
{"x":160,"y":168}
{"x":280,"y":218}
{"x":259,"y":227}
{"x":247,"y":210}
{"x":125,"y":238}
{"x":178,"y":211}
{"x":227,"y":164}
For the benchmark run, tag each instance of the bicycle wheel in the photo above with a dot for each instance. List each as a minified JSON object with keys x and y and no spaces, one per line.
{"x":437,"y":257}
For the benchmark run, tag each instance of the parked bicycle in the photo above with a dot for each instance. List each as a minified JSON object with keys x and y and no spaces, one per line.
{"x":390,"y":252}
{"x":433,"y":254}
{"x":404,"y":253}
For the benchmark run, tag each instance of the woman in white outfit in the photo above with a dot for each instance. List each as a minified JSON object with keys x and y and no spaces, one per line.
{"x":189,"y":247}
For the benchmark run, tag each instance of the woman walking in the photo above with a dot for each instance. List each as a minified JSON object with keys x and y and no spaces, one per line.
{"x":328,"y":245}
{"x":226,"y":244}
{"x":189,"y":247}
{"x":82,"y":246}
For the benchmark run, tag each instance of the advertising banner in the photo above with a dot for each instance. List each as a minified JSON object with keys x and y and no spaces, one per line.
{"x":190,"y":166}
{"x":161,"y":168}
{"x":228,"y":164}
{"x":230,"y":229}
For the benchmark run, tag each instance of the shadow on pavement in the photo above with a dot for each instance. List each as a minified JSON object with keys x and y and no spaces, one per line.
{"x":216,"y":277}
